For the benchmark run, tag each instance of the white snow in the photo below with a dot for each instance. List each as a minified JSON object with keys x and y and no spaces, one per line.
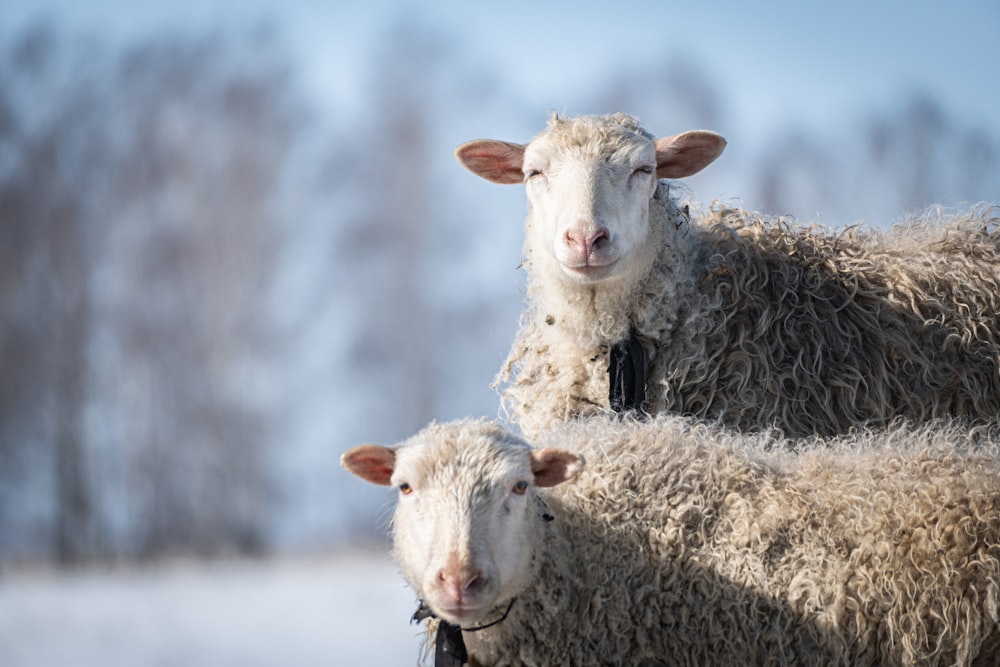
{"x":348,"y":608}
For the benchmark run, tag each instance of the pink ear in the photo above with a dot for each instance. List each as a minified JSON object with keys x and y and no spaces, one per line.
{"x":372,"y":463}
{"x":687,"y":153}
{"x":555,"y":466}
{"x":496,"y":161}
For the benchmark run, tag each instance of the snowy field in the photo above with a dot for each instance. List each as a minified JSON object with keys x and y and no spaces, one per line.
{"x":331,"y":611}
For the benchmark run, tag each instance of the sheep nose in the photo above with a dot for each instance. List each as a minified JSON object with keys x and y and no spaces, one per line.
{"x":458,"y":583}
{"x":584,"y":242}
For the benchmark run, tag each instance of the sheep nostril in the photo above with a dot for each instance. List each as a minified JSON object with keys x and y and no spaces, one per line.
{"x":577,"y":241}
{"x":477,"y":580}
{"x":583,"y":243}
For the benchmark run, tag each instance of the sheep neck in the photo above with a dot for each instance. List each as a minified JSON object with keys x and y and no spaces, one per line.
{"x":449,"y":643}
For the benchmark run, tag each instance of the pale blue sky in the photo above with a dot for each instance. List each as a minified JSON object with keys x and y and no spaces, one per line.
{"x":802,"y":61}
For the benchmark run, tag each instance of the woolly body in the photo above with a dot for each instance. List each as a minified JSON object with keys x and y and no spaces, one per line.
{"x":681,"y":543}
{"x":754,"y":322}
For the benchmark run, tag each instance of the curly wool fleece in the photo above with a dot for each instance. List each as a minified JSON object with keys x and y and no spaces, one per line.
{"x":683,"y":544}
{"x":761,"y":324}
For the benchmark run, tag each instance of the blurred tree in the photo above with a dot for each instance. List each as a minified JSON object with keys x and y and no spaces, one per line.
{"x":796,"y":176}
{"x":927,"y":156}
{"x":913,"y":156}
{"x":414,"y":304}
{"x":50,"y":155}
{"x":676,"y":94}
{"x":205,"y":129}
{"x":141,"y":207}
{"x":395,"y":238}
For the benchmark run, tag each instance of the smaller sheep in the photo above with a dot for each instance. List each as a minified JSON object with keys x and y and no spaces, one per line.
{"x":732,"y":316}
{"x":681,"y":543}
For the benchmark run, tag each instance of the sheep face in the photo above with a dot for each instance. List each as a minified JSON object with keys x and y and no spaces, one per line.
{"x":589,"y":181}
{"x":589,"y":199}
{"x":466,"y":523}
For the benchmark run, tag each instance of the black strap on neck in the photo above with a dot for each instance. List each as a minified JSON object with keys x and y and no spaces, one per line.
{"x":449,"y":646}
{"x":627,"y":374}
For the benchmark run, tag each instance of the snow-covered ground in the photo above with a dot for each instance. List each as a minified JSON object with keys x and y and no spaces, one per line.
{"x":343,"y":609}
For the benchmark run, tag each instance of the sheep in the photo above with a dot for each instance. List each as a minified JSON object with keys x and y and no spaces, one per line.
{"x":682,"y":542}
{"x":755,"y":322}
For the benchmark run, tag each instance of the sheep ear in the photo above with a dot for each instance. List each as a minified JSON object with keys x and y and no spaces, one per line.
{"x":372,"y":463}
{"x":555,"y":466}
{"x":496,"y":161}
{"x":687,"y":153}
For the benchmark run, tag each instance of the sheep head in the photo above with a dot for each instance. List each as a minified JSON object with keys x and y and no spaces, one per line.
{"x":466,"y":524}
{"x":589,"y":181}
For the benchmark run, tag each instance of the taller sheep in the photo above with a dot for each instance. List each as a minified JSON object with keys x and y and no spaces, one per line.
{"x":754,"y":322}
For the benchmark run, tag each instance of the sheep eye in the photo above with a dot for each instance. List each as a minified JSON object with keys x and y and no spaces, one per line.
{"x":644,"y":170}
{"x":533,"y":172}
{"x":520,"y":488}
{"x":405,"y":489}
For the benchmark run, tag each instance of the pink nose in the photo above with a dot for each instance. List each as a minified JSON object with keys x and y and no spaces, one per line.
{"x":583,"y":243}
{"x":458,"y":583}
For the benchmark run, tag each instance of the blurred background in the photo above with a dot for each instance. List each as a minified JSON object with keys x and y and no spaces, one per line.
{"x":234,"y":243}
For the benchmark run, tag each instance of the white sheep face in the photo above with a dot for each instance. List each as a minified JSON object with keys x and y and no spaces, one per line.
{"x":466,"y":521}
{"x":589,"y":201}
{"x":589,"y":182}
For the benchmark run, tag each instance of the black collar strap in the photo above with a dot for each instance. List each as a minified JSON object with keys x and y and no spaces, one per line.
{"x":627,"y":374}
{"x":449,"y":647}
{"x":449,"y":650}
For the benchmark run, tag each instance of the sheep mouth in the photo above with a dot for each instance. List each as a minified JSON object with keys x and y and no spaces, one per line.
{"x":590,"y":272}
{"x":462,"y":614}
